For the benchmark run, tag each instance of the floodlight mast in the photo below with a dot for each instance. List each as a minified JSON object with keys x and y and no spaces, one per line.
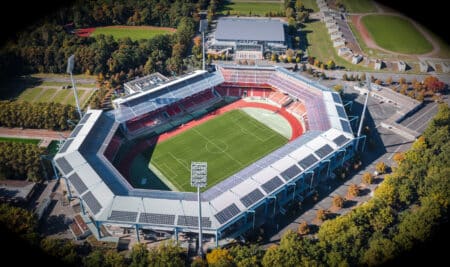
{"x":202,"y":29}
{"x":199,"y":172}
{"x":70,"y":65}
{"x":368,"y":81}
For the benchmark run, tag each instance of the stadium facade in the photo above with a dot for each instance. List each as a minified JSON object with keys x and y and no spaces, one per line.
{"x":239,"y":203}
{"x":248,"y":35}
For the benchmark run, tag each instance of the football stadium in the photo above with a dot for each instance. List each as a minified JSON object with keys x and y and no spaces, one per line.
{"x":269,"y":136}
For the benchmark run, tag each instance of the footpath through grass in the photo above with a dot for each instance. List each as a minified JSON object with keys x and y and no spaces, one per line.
{"x":228,"y":143}
{"x":396,"y":34}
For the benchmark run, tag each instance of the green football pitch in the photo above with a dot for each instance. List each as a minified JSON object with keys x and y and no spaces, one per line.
{"x":227,"y":143}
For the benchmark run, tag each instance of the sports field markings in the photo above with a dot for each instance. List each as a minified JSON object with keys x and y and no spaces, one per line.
{"x":225,"y":153}
{"x":255,"y":125}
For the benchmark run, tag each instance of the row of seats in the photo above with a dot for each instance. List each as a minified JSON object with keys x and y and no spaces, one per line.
{"x":113,"y":147}
{"x":279,"y":98}
{"x":158,"y":116}
{"x":297,"y":107}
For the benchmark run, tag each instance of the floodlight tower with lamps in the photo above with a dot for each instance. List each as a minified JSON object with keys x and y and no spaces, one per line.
{"x":202,"y":29}
{"x":199,"y":172}
{"x":70,"y":64}
{"x":363,"y":111}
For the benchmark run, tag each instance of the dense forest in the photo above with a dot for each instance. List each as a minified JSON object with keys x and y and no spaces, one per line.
{"x":408,"y":209}
{"x":21,"y":161}
{"x":45,"y":46}
{"x":53,"y":116}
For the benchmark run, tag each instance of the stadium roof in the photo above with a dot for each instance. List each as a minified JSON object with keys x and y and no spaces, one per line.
{"x":239,"y":29}
{"x":110,"y":198}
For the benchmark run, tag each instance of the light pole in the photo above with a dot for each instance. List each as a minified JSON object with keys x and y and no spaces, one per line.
{"x":199,"y":172}
{"x":70,"y":64}
{"x":363,"y":111}
{"x":202,"y":29}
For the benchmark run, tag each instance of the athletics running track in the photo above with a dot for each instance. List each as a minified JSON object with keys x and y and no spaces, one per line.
{"x":125,"y":163}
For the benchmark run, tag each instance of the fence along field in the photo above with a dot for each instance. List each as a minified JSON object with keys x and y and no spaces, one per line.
{"x":228,"y":143}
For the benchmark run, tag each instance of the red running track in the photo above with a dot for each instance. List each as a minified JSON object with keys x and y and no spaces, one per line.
{"x":125,"y":164}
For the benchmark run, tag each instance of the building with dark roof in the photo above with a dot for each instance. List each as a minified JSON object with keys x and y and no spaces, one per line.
{"x":245,"y":34}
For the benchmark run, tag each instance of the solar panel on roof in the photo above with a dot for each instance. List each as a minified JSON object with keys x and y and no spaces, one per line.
{"x":65,"y":146}
{"x":157,"y":218}
{"x":346,"y":126}
{"x":85,"y":118}
{"x":76,"y":181}
{"x":64,"y":165}
{"x":76,"y":131}
{"x":124,"y":216}
{"x":272,"y":184}
{"x":227,"y":213}
{"x":92,"y":202}
{"x":340,"y":140}
{"x":340,"y":111}
{"x":291,"y":172}
{"x":251,"y":197}
{"x":193,"y":221}
{"x":336,"y":98}
{"x":307,"y":162}
{"x":324,"y":151}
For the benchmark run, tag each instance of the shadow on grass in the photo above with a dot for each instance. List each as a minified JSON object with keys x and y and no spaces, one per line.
{"x":11,"y":89}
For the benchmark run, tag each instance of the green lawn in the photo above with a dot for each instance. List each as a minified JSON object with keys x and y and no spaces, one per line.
{"x":396,"y":34}
{"x":30,"y":94}
{"x":359,"y":6}
{"x":252,"y":8}
{"x":311,"y":4}
{"x":135,"y":33}
{"x":318,"y":44}
{"x":19,"y":140}
{"x":46,"y":96}
{"x":228,"y":143}
{"x":71,"y":100}
{"x":62,"y":95}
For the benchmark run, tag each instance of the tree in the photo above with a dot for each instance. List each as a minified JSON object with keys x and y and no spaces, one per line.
{"x":353,"y":191}
{"x":402,"y":80}
{"x":331,"y":65}
{"x":345,"y":77}
{"x":433,"y":84}
{"x":64,"y":250}
{"x":246,"y":256}
{"x":363,"y":77}
{"x":338,"y":88}
{"x":166,"y":254}
{"x":219,"y":257}
{"x":389,"y":80}
{"x":274,"y":57}
{"x":367,"y":178}
{"x":303,"y":228}
{"x":299,"y":5}
{"x":139,"y":256}
{"x":321,"y":215}
{"x":338,"y":201}
{"x":19,"y":221}
{"x":199,"y":262}
{"x":289,"y":12}
{"x":381,"y":167}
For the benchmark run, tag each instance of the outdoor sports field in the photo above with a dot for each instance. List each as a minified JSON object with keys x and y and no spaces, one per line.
{"x":134,"y":32}
{"x":228,"y":143}
{"x":396,"y":34}
{"x":259,"y":8}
